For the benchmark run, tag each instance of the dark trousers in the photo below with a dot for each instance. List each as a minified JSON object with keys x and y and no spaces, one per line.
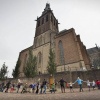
{"x":81,"y":89}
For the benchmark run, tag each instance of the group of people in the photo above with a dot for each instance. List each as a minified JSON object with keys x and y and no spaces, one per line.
{"x":24,"y":87}
{"x":40,"y":88}
{"x":80,"y":82}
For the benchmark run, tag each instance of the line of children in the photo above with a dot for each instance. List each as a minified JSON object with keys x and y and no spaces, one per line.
{"x":43,"y":85}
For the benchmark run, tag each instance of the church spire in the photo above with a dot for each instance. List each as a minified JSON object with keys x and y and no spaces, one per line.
{"x":47,"y":8}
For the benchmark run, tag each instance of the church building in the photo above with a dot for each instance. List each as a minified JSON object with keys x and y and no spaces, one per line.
{"x":70,"y":52}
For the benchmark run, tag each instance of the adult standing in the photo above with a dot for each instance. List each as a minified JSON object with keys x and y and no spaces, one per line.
{"x":79,"y":81}
{"x":44,"y":85}
{"x":7,"y":86}
{"x":2,"y":86}
{"x":62,"y":85}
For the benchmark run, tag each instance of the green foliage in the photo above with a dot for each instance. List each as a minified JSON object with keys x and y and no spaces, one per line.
{"x":15,"y":72}
{"x":30,"y":68}
{"x":51,"y":68}
{"x":3,"y":72}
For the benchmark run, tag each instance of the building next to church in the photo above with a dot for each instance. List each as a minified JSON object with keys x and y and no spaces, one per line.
{"x":94,"y":54}
{"x":70,"y":52}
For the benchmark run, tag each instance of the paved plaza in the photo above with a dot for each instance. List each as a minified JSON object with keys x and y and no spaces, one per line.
{"x":76,"y":95}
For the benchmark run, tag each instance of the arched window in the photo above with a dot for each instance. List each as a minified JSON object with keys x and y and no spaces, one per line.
{"x":61,"y":52}
{"x":46,"y":18}
{"x":39,"y":59}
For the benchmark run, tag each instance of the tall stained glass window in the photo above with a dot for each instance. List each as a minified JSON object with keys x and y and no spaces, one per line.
{"x":61,"y":52}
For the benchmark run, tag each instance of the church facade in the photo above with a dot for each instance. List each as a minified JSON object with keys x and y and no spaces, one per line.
{"x":70,"y":52}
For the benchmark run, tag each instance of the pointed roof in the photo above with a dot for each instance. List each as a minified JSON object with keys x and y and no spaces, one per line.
{"x":47,"y":8}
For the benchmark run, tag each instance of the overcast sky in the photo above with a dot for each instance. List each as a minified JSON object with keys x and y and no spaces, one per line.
{"x":17,"y":23}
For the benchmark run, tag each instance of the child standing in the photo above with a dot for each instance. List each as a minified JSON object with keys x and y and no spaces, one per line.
{"x":53,"y":88}
{"x":93,"y":84}
{"x":71,"y":86}
{"x":12,"y":87}
{"x":37,"y":88}
{"x":41,"y":87}
{"x":88,"y":84}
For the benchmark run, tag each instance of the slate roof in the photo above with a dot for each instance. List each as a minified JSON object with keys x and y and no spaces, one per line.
{"x":93,"y":50}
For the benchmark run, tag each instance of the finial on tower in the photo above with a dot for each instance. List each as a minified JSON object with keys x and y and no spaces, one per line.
{"x":47,"y":8}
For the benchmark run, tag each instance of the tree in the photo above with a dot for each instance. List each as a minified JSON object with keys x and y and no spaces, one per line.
{"x":15,"y":72}
{"x":51,"y":68}
{"x":30,"y":67}
{"x":3,"y":71}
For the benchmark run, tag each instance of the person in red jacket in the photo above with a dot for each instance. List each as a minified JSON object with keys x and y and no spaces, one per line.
{"x":98,"y":84}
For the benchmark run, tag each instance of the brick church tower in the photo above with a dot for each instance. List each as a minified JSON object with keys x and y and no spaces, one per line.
{"x":70,"y":51}
{"x":46,"y":27}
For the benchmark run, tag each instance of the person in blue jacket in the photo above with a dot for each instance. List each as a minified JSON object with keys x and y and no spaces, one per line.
{"x":79,"y":81}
